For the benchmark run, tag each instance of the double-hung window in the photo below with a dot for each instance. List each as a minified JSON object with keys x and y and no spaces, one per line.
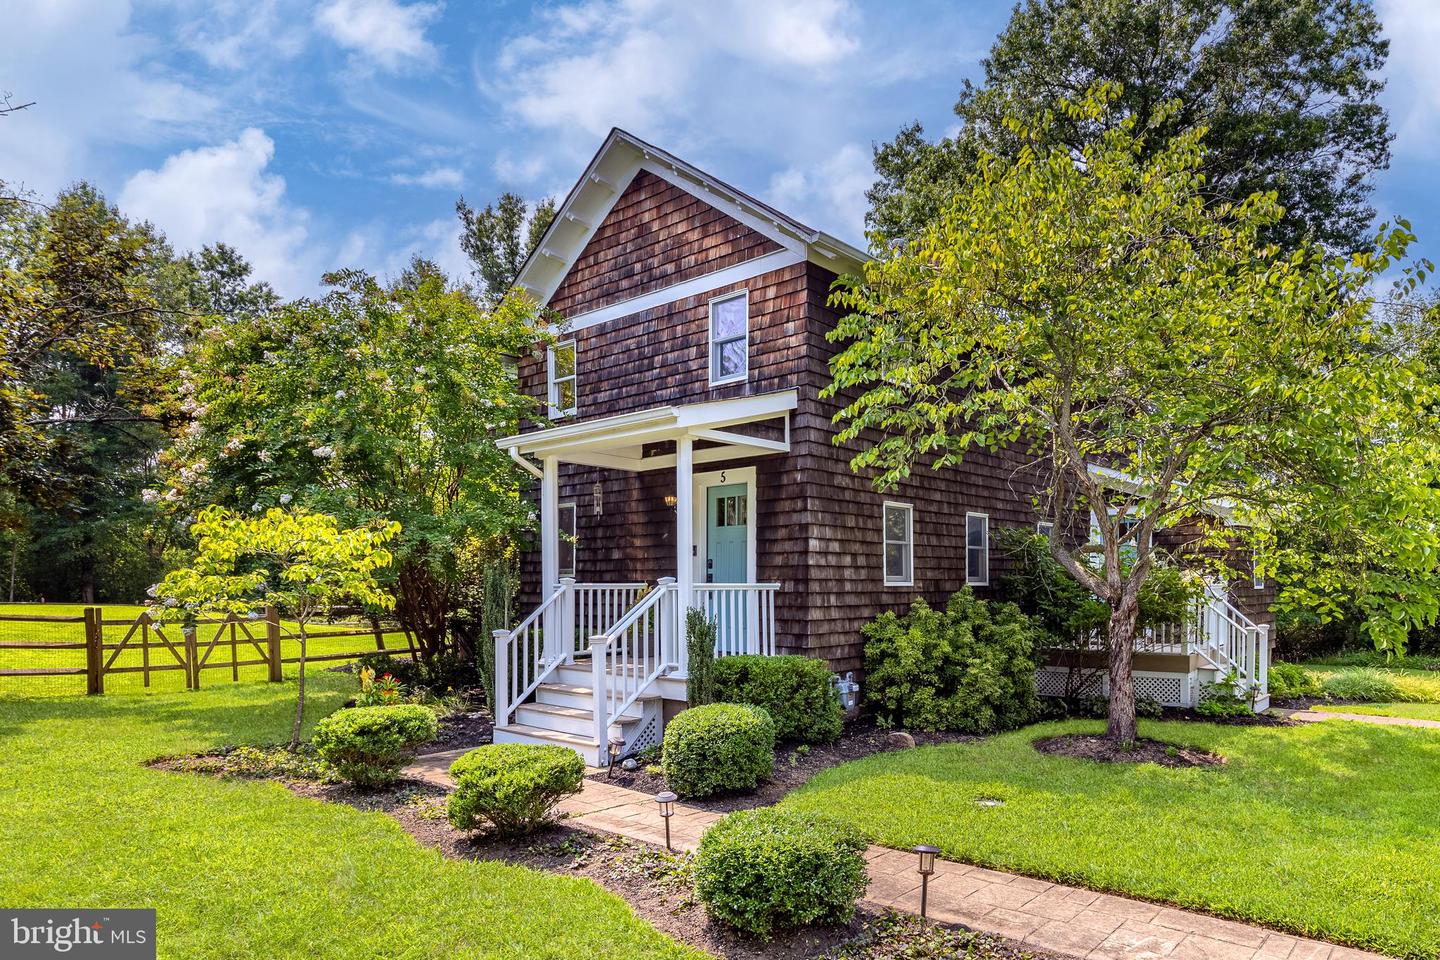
{"x":977,"y":549}
{"x":899,"y":544}
{"x":730,"y":338}
{"x":567,"y":540}
{"x":560,"y":376}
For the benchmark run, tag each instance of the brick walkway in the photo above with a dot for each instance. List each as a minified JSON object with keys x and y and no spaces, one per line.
{"x":1041,"y":915}
{"x":1319,"y":716}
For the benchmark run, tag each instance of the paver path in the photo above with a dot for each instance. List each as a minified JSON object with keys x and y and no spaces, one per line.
{"x":1042,"y":915}
{"x":1316,"y":716}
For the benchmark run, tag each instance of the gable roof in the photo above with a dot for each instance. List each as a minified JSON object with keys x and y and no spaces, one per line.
{"x":614,"y":165}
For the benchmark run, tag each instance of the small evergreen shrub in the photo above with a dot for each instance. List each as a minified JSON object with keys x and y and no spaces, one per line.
{"x":512,"y":786}
{"x":369,"y":745}
{"x":700,"y":633}
{"x":720,"y":746}
{"x":1289,"y":681}
{"x":798,"y":693}
{"x":969,"y":667}
{"x":1360,"y":683}
{"x":767,"y":870}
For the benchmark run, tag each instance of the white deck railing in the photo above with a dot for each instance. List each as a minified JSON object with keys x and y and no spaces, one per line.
{"x":626,"y":659}
{"x":525,"y":656}
{"x":598,"y":605}
{"x":744,"y":616}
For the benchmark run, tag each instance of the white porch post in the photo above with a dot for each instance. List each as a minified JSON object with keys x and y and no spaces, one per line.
{"x":684,"y":541}
{"x":550,"y":550}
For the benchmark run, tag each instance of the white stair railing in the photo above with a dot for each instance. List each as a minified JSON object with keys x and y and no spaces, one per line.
{"x":527,"y":655}
{"x":1230,"y":642}
{"x":744,"y":616}
{"x":627,"y":658}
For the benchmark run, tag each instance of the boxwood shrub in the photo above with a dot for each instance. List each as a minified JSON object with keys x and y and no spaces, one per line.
{"x":797,"y":692}
{"x":720,"y":746}
{"x":369,"y":745}
{"x":513,"y":787}
{"x":770,"y":869}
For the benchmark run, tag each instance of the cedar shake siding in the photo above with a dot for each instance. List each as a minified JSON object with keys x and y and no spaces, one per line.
{"x":656,"y":235}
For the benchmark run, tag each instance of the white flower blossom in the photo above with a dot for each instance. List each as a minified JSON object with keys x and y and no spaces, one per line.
{"x":149,"y":496}
{"x":340,"y":394}
{"x":152,"y":590}
{"x":265,"y":456}
{"x":285,"y":499}
{"x":255,"y":507}
{"x":325,"y":452}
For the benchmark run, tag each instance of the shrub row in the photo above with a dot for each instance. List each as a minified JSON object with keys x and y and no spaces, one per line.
{"x":797,"y":692}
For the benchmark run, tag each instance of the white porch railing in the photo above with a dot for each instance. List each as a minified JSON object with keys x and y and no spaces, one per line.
{"x":626,"y":659}
{"x":598,"y":605}
{"x":744,"y":616}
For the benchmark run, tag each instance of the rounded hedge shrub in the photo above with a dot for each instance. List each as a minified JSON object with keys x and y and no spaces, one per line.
{"x":798,"y":692}
{"x":512,"y":786}
{"x":720,"y":746}
{"x":369,"y":745}
{"x":1290,"y":681}
{"x":771,"y":869}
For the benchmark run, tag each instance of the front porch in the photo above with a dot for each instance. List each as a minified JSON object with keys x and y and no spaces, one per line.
{"x":594,"y":664}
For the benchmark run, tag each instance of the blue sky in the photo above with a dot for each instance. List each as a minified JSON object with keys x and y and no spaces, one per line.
{"x":313,"y":135}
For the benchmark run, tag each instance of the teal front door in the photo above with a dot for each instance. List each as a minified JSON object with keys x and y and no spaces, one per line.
{"x":727,"y":550}
{"x":727,"y":526}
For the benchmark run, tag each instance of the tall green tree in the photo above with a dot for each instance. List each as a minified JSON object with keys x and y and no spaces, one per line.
{"x":501,"y":237}
{"x":374,"y":404}
{"x":1287,"y":89}
{"x":1096,"y":310}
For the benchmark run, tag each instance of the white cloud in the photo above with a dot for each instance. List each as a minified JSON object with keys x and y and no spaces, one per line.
{"x":436,"y":178}
{"x":829,"y":194}
{"x":384,"y":32}
{"x":1413,"y":91}
{"x":223,"y":193}
{"x":95,"y":87}
{"x":643,"y":65}
{"x":236,"y":34}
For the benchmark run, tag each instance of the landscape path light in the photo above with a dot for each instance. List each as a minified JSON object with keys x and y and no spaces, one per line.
{"x":927,"y":867}
{"x":666,"y":801}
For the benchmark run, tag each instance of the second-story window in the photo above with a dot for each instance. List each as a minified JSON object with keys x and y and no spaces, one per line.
{"x":561,"y":378}
{"x":730,"y":338}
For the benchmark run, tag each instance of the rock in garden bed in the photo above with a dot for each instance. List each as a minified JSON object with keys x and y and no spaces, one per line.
{"x":1081,"y":746}
{"x":794,"y":765}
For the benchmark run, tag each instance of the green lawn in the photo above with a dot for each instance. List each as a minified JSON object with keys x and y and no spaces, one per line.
{"x":1327,"y":830}
{"x":162,"y":680}
{"x":1419,"y":711}
{"x":247,"y":869}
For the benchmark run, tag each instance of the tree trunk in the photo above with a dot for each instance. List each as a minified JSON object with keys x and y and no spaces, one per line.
{"x":300,"y":696}
{"x":1123,"y":618}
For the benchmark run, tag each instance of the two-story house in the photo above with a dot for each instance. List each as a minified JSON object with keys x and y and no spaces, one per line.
{"x":690,"y":460}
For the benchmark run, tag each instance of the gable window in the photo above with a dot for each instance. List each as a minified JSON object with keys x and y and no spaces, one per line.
{"x":977,"y":549}
{"x":561,"y":379}
{"x":899,"y":538}
{"x":1044,"y":527}
{"x":730,"y":338}
{"x":567,"y":540}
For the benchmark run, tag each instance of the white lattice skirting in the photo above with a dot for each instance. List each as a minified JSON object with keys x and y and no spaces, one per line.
{"x":1167,"y":689}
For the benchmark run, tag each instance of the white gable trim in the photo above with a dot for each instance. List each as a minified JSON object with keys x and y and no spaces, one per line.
{"x":685,"y":289}
{"x":612,"y":169}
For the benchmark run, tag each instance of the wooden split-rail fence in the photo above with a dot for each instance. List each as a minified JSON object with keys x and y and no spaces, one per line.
{"x":146,"y":647}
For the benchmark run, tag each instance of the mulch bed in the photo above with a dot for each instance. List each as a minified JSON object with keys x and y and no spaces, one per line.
{"x":1243,"y":720}
{"x":793,"y":766}
{"x":469,"y":725}
{"x":1104,"y":750}
{"x":658,"y":886}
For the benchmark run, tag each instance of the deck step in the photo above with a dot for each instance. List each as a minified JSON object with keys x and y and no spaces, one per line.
{"x":524,"y":733}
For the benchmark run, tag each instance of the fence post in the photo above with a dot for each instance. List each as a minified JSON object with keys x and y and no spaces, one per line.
{"x":272,"y":643}
{"x":94,"y":652}
{"x":379,"y":635}
{"x":192,"y":660}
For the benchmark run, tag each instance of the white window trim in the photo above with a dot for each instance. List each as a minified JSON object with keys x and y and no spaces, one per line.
{"x":1041,"y":525}
{"x":970,"y":579}
{"x":885,"y":541}
{"x":1257,"y":579}
{"x":552,"y":394}
{"x":574,"y":545}
{"x":710,"y":340}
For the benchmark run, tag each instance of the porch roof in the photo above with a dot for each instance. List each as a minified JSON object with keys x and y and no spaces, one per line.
{"x":618,"y":442}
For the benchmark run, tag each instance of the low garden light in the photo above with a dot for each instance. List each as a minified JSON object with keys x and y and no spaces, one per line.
{"x":666,"y":801}
{"x":927,"y":867}
{"x":615,"y":746}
